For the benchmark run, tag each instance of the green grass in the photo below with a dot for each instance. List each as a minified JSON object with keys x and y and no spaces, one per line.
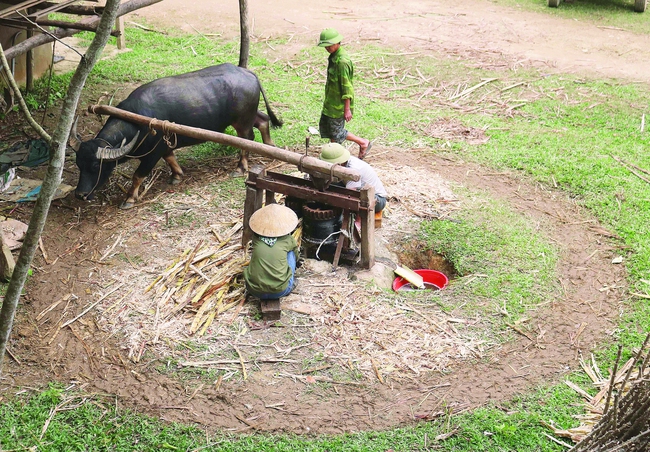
{"x":563,"y":132}
{"x":611,"y":13}
{"x":516,"y":266}
{"x":86,"y":422}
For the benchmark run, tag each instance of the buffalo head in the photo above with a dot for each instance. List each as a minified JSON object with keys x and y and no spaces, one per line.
{"x":96,"y":160}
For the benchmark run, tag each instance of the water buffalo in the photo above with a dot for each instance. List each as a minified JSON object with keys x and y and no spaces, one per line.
{"x":212,"y":98}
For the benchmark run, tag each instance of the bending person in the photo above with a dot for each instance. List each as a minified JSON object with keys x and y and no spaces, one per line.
{"x":335,"y":153}
{"x":271,"y":272}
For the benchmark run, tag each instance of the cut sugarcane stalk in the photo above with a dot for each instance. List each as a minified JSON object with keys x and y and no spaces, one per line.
{"x":412,"y":277}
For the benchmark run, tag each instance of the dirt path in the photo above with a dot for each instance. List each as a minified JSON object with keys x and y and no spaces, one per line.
{"x":467,"y":27}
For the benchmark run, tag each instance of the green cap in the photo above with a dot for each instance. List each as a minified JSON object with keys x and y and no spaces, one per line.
{"x":334,"y":153}
{"x":329,"y":37}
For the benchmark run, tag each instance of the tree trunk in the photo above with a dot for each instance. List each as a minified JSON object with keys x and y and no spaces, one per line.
{"x":54,"y":170}
{"x":245,"y":37}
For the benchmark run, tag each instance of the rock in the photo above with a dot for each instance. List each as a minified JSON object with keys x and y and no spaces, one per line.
{"x":13,"y":232}
{"x":7,"y":263}
{"x":380,"y":274}
{"x":318,"y":267}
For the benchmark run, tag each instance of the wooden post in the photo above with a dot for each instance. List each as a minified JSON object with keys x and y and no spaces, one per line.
{"x":253,"y":202}
{"x":269,"y":198}
{"x":29,"y":65}
{"x":121,"y":38}
{"x":367,"y":227}
{"x":342,"y":239}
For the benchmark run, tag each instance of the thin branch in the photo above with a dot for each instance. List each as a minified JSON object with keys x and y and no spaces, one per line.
{"x":23,"y":106}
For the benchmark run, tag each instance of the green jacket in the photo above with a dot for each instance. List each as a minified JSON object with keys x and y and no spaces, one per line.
{"x":338,"y":87}
{"x":268,"y":271}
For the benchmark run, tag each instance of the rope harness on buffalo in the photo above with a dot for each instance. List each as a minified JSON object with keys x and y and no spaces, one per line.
{"x":167,"y":136}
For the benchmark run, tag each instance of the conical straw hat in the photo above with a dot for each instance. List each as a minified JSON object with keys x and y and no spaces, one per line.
{"x":273,"y":220}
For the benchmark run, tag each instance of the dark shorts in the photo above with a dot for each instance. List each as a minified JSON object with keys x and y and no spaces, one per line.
{"x":380,"y":203}
{"x":332,"y":128}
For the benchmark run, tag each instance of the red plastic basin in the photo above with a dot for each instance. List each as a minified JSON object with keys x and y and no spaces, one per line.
{"x":433,"y":279}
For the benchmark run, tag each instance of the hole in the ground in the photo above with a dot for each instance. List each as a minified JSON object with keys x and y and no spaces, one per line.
{"x":416,"y":255}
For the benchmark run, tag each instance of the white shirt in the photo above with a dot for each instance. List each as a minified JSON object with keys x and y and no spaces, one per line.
{"x":368,"y":177}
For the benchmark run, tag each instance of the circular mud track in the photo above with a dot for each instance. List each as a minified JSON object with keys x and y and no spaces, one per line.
{"x":77,"y":235}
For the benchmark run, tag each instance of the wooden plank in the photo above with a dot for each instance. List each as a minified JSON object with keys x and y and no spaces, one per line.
{"x":78,"y":26}
{"x":270,"y":309}
{"x":339,"y":245}
{"x":60,"y":33}
{"x":20,"y":6}
{"x":269,"y":198}
{"x":301,"y":182}
{"x":332,"y":199}
{"x":251,"y":204}
{"x":50,"y":8}
{"x":312,"y":164}
{"x":368,"y":227}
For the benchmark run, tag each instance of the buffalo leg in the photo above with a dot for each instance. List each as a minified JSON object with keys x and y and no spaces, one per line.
{"x":262,"y":123}
{"x":249,"y":134}
{"x":177,"y":172}
{"x":132,"y":195}
{"x":140,"y":174}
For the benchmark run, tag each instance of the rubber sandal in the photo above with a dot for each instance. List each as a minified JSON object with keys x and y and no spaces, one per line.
{"x":365,"y":151}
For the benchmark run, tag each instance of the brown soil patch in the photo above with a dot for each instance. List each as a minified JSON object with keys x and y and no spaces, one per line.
{"x":473,"y":30}
{"x":416,"y":255}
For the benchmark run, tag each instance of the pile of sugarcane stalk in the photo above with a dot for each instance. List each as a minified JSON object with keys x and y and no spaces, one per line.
{"x":205,"y":280}
{"x":617,"y":416}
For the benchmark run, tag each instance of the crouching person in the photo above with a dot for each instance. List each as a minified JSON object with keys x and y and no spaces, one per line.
{"x":271,"y":272}
{"x":337,"y":154}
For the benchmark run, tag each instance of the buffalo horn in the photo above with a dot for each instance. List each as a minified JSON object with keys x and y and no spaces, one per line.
{"x":75,"y":139}
{"x":108,"y":153}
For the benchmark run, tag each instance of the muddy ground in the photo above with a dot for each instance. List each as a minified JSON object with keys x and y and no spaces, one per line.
{"x":78,"y":234}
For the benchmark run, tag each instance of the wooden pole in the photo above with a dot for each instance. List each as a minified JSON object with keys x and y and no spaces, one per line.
{"x":311,"y":164}
{"x":79,"y":26}
{"x":339,"y":245}
{"x":368,"y":227}
{"x":253,"y":202}
{"x":29,"y":66}
{"x":121,"y":39}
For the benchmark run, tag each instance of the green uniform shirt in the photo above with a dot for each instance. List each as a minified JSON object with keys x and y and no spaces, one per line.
{"x":338,"y":87}
{"x":269,"y":271}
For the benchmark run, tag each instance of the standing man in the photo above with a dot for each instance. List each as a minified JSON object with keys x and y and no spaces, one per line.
{"x":339,"y":93}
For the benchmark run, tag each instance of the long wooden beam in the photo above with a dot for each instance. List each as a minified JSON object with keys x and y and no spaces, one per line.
{"x":59,"y":33}
{"x":308,"y":163}
{"x":79,"y":10}
{"x":20,"y":23}
{"x":62,"y":7}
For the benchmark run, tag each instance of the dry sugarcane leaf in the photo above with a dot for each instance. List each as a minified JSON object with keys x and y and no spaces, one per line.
{"x":207,"y":323}
{"x":200,"y":317}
